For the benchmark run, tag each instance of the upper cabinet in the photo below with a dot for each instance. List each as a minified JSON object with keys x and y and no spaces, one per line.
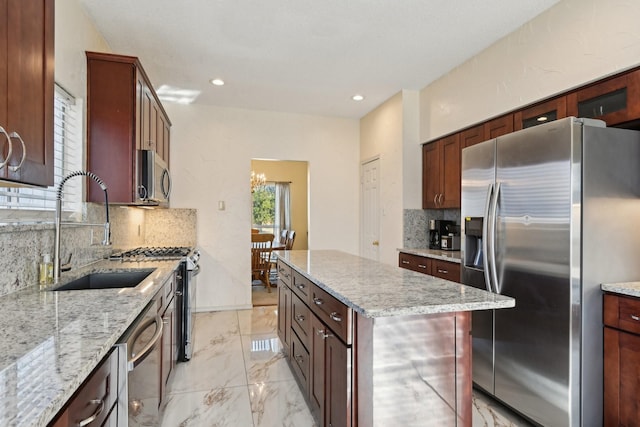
{"x":498,"y":127}
{"x":124,"y":115}
{"x":538,"y":114}
{"x":472,"y":136}
{"x":26,"y":91}
{"x":441,"y":173}
{"x":614,"y":100}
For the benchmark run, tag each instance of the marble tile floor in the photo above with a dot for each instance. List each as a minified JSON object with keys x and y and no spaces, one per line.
{"x":238,"y":377}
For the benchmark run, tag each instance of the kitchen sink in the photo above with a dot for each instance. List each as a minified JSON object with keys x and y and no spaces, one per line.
{"x":107,"y":280}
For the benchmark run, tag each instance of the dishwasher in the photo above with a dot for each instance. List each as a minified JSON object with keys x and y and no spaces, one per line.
{"x":139,"y":372}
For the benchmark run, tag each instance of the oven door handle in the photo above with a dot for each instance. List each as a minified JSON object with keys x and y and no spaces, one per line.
{"x":134,"y":361}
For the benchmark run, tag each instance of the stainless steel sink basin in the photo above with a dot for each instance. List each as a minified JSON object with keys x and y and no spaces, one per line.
{"x":107,"y":280}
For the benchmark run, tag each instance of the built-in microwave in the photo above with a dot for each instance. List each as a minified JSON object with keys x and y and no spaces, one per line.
{"x":154,"y":180}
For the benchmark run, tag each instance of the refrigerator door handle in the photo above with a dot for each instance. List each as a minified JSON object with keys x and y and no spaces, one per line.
{"x":492,"y":237}
{"x":485,"y":240}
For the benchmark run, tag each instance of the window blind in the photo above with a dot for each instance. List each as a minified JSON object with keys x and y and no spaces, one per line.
{"x":27,"y":204}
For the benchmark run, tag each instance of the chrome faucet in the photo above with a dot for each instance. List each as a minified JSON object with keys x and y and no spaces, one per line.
{"x":107,"y":230}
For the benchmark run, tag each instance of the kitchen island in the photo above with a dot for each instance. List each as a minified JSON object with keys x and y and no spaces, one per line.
{"x":51,"y":341}
{"x":375,"y":345}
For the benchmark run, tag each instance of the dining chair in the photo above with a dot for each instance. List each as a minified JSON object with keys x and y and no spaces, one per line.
{"x":261,"y":245}
{"x":291,"y":237}
{"x":254,"y":231}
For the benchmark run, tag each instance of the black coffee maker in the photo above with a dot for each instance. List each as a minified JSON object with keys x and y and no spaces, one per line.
{"x":437,"y":229}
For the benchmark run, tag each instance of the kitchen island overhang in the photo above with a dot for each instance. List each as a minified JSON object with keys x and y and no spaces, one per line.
{"x":406,"y":352}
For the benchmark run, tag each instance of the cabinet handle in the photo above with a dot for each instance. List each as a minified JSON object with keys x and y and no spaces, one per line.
{"x":321,"y":333}
{"x":335,"y":316}
{"x":422,"y":266}
{"x":300,"y":286}
{"x":636,"y":318}
{"x":318,"y":301}
{"x":435,"y":200}
{"x":24,"y":152}
{"x":300,"y":318}
{"x":298,"y":358}
{"x":440,"y":197}
{"x":405,"y":262}
{"x":443,"y":271}
{"x":95,"y":415}
{"x":6,"y":135}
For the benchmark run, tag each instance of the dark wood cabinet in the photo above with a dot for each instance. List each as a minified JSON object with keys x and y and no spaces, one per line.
{"x":168,"y":342}
{"x":123,"y":115}
{"x":432,"y":266}
{"x":441,"y":173}
{"x":498,"y":127}
{"x":621,"y":360}
{"x":413,"y":262}
{"x":472,"y":136}
{"x":284,"y":316}
{"x":614,"y":100}
{"x":538,"y":114}
{"x":26,"y":90}
{"x":95,"y":400}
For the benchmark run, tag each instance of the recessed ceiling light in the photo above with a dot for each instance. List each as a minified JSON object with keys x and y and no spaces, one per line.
{"x":357,"y":97}
{"x":217,"y":82}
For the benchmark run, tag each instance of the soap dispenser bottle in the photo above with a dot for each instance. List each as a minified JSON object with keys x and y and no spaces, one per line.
{"x":45,"y":274}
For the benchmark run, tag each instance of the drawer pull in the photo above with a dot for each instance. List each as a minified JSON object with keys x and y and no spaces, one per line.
{"x":636,"y":318}
{"x":321,"y":333}
{"x":334,"y":315}
{"x":300,"y":286}
{"x":299,"y":358}
{"x":300,"y":318}
{"x":443,"y":271}
{"x":422,"y":266}
{"x":318,"y":301}
{"x":95,"y":415}
{"x":405,"y":262}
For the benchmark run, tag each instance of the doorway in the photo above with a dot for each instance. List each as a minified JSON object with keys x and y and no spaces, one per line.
{"x":281,"y":203}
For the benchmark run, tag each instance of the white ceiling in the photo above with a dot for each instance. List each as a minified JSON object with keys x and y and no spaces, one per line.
{"x":304,"y":56}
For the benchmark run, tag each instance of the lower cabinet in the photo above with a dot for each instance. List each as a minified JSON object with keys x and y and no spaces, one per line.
{"x":95,"y":402}
{"x":435,"y":267}
{"x":621,"y":360}
{"x":168,"y":341}
{"x":284,"y":314}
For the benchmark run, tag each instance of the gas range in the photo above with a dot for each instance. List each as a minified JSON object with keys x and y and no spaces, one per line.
{"x":155,"y":253}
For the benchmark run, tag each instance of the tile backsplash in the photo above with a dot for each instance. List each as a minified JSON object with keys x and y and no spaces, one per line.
{"x":22,"y":245}
{"x":416,"y":225}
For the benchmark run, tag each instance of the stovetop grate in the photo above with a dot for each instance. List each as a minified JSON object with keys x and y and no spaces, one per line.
{"x":169,"y":252}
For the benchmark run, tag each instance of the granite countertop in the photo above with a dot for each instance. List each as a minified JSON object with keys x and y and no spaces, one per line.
{"x":51,"y":341}
{"x":374,"y":289}
{"x":631,"y":289}
{"x":451,"y":256}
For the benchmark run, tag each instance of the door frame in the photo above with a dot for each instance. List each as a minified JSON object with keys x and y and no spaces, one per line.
{"x":364,"y":162}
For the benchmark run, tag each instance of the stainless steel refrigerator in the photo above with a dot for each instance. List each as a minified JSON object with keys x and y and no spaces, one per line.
{"x":548,"y":214}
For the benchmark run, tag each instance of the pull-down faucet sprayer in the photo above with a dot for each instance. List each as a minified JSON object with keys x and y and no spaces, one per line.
{"x":107,"y":230}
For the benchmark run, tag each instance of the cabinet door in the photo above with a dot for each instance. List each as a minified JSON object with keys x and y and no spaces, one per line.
{"x":414,"y":262}
{"x":167,"y":141}
{"x":284,"y":316}
{"x":149,"y":112}
{"x":614,"y":100}
{"x":337,"y":384}
{"x":317,"y":374}
{"x":446,"y":270}
{"x":430,"y":175}
{"x":28,"y":113}
{"x":545,"y":112}
{"x":450,"y":172}
{"x":472,"y":136}
{"x":621,"y":380}
{"x":498,"y":127}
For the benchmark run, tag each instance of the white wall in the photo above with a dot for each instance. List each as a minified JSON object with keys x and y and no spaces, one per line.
{"x":575,"y":42}
{"x":211,"y":152}
{"x":391,"y":132}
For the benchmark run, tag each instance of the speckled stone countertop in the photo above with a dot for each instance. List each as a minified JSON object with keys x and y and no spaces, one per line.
{"x":451,"y":256}
{"x":51,"y":341}
{"x":631,"y":289}
{"x":374,"y":289}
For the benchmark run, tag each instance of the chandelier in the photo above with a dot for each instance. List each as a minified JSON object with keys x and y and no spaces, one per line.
{"x":257,"y":180}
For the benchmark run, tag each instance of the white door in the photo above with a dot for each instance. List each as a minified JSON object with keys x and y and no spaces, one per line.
{"x":370,"y":211}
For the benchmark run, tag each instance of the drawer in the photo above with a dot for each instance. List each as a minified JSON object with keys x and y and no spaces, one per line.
{"x":169,"y":289}
{"x":332,"y":313}
{"x":284,"y":273}
{"x":302,"y":287}
{"x":301,"y":320}
{"x":446,"y":270}
{"x":300,"y":362}
{"x":622,"y":312}
{"x":414,"y":262}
